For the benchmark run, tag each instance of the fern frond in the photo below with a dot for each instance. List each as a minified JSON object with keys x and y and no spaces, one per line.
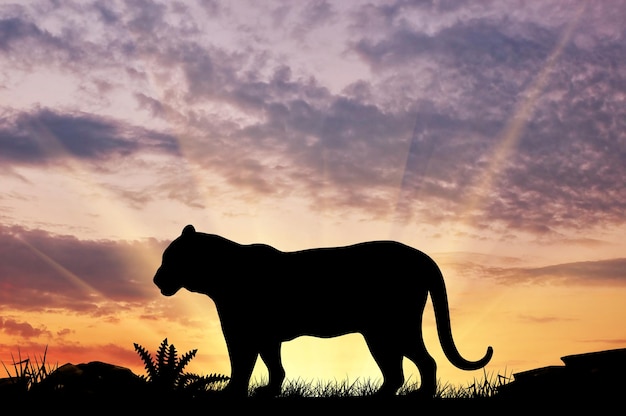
{"x":184,"y":360}
{"x":167,"y":377}
{"x":172,"y":358}
{"x":162,"y":355}
{"x":148,"y":362}
{"x":184,"y":381}
{"x":214,"y":377}
{"x":194,"y":382}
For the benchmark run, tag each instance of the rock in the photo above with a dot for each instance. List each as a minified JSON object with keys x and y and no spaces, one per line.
{"x":94,"y":378}
{"x":603,"y":361}
{"x":596,"y":375}
{"x":9,"y":387}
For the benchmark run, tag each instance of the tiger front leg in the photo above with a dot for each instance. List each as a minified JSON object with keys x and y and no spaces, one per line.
{"x":242,"y":359}
{"x":270,"y":354}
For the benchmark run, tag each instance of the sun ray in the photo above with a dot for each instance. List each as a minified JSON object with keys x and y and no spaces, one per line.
{"x":516,"y":125}
{"x":418,"y":156}
{"x":505,"y":146}
{"x":63,"y":271}
{"x":419,"y":150}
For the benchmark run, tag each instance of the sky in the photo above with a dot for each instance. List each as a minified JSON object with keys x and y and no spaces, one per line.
{"x":490,"y":135}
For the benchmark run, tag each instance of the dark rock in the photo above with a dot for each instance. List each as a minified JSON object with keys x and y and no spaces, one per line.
{"x":590,"y":376}
{"x":94,"y":378}
{"x":9,"y":387}
{"x":610,"y":360}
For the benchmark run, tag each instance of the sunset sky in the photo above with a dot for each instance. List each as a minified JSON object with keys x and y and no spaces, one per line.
{"x":490,"y":135}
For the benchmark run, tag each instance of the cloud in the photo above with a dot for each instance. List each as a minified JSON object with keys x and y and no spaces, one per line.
{"x":40,"y":271}
{"x":413,"y":135}
{"x":568,"y":158}
{"x":15,"y":30}
{"x":470,"y":43}
{"x":608,"y":272}
{"x":68,"y":352}
{"x":22,"y":329}
{"x":145,"y":16}
{"x":65,"y":331}
{"x":44,"y":136}
{"x":542,"y":319}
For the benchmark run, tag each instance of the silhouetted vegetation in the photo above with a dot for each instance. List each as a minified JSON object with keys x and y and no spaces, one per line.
{"x":485,"y":387}
{"x":166,"y":372}
{"x":36,"y":384}
{"x":27,"y":373}
{"x":488,"y":386}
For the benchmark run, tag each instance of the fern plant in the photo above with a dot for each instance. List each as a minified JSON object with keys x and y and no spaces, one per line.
{"x":166,"y":372}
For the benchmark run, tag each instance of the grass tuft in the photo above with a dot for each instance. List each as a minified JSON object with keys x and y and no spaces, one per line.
{"x":333,"y":389}
{"x":479,"y":388}
{"x":28,"y":372}
{"x":488,"y":386}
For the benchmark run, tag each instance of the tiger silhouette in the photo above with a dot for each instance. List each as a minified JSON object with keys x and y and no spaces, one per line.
{"x":265,"y":297}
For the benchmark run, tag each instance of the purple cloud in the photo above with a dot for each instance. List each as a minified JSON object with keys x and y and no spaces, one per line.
{"x":39,"y":271}
{"x":607,"y":272}
{"x":45,"y":135}
{"x":427,"y":114}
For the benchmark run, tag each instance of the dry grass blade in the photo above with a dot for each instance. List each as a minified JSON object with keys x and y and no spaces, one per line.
{"x":486,"y":387}
{"x":28,"y":373}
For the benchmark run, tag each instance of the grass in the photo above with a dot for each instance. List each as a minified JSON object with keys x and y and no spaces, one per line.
{"x":486,"y":387}
{"x":166,"y":371}
{"x":298,"y":388}
{"x":27,"y":372}
{"x":167,"y":386}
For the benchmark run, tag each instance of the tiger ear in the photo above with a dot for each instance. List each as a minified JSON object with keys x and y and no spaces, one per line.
{"x":189,"y":229}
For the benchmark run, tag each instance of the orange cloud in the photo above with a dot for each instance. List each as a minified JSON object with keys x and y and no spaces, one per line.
{"x":22,"y":329}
